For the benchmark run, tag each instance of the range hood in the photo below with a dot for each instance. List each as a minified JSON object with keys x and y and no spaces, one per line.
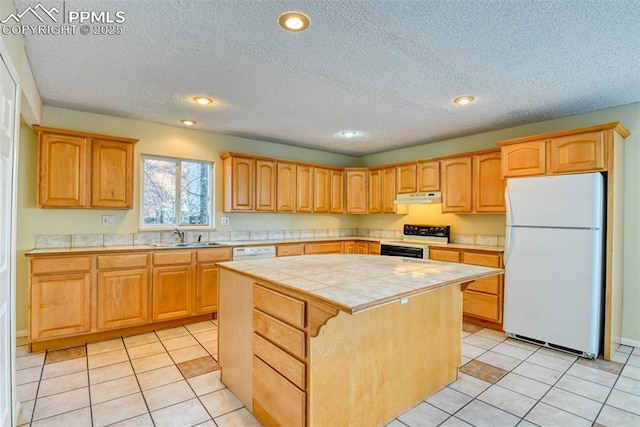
{"x":414,"y":198}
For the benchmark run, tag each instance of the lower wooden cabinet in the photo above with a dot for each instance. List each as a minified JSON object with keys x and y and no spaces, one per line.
{"x":483,"y":298}
{"x":123,"y":298}
{"x":60,"y":305}
{"x":74,"y":297}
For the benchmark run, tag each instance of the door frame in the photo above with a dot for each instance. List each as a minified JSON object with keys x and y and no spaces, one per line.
{"x":6,"y":58}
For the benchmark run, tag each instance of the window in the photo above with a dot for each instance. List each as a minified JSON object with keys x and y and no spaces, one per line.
{"x":176,"y":192}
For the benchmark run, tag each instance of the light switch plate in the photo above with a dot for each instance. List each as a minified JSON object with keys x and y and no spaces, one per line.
{"x":224,"y":220}
{"x":108,"y":220}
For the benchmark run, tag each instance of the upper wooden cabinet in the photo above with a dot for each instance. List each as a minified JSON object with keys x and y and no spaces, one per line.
{"x":525,"y":159}
{"x":473,"y":184}
{"x":456,"y":185}
{"x":239,"y":183}
{"x":577,"y":153}
{"x":84,"y":170}
{"x":488,"y":185}
{"x":322,"y":190}
{"x":374,"y":203}
{"x":337,"y":191}
{"x":428,"y":176}
{"x":356,"y":191}
{"x":265,"y":185}
{"x":388,"y":190}
{"x":286,"y":187}
{"x":406,"y":179}
{"x":574,"y":151}
{"x":304,"y":188}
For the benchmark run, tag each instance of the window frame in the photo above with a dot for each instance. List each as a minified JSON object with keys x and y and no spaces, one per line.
{"x":166,"y":227}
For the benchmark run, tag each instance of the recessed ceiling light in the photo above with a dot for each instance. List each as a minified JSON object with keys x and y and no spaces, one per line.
{"x":188,"y":122}
{"x":294,"y":21}
{"x":202,"y":100}
{"x":464,"y":100}
{"x":349,"y":133}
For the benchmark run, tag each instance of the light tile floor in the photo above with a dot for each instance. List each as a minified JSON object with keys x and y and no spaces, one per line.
{"x":170,"y":378}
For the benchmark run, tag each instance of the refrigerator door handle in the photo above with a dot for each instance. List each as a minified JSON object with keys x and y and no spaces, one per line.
{"x":508,"y":231}
{"x":508,"y":245}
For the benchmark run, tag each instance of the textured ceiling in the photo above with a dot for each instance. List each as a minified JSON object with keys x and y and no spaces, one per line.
{"x":389,"y":69}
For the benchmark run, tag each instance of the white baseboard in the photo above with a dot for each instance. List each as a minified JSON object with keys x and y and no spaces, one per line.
{"x":632,"y":343}
{"x":20,"y":334}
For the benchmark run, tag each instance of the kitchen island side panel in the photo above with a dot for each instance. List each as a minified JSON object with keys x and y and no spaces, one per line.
{"x":369,"y":368}
{"x":235,"y":345}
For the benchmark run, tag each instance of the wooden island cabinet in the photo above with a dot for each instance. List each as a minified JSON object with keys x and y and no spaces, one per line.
{"x":99,"y":294}
{"x":299,"y":358}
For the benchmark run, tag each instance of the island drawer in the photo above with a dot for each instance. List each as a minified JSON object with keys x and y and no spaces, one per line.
{"x":482,"y":305}
{"x":490,"y":285}
{"x":107,"y":262}
{"x":171,"y":258}
{"x":444,"y":255}
{"x":279,"y":333}
{"x":60,"y":264}
{"x":289,"y":250}
{"x":213,"y":255}
{"x":280,"y":306}
{"x":275,"y":400}
{"x":287,"y":365}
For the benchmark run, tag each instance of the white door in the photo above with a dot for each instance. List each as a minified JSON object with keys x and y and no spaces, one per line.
{"x":8,"y":157}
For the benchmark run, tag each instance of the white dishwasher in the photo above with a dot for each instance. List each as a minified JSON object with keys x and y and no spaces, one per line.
{"x":253,"y":252}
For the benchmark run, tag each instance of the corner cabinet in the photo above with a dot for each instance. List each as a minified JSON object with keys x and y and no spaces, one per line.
{"x":356,"y":191}
{"x":84,"y":170}
{"x":456,"y":185}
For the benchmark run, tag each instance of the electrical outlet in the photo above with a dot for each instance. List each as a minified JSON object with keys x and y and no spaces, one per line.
{"x":224,"y":220}
{"x":108,"y":220}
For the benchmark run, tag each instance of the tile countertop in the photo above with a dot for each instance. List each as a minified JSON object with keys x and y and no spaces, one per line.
{"x":129,"y":248}
{"x":353,"y":283}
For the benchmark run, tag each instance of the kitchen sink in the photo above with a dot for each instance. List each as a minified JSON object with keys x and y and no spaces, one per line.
{"x":189,"y":244}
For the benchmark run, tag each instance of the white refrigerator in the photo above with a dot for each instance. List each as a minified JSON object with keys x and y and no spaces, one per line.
{"x":554,"y":261}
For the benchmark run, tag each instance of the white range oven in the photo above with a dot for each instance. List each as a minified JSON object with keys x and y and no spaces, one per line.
{"x":416,"y":240}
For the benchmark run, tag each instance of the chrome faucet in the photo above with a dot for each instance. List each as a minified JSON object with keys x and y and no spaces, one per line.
{"x":180,"y":234}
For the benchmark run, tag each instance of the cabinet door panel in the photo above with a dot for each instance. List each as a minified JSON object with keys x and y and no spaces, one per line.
{"x":524,"y":159}
{"x":488,"y":185}
{"x":322,"y":190}
{"x":60,"y":305}
{"x":406,"y":176}
{"x":206,"y":288}
{"x":286,"y":187}
{"x":578,"y":153}
{"x":304,"y":189}
{"x":63,"y":173}
{"x":123,"y":298}
{"x":265,"y":186}
{"x":337,"y":191}
{"x":456,"y":185}
{"x":239,"y":182}
{"x":356,"y":198}
{"x":111,"y":174}
{"x":388,"y":190}
{"x":172,"y":292}
{"x":428,"y":176}
{"x":375,"y":179}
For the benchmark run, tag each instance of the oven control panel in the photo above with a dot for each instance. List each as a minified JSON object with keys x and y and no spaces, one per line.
{"x":426,"y":230}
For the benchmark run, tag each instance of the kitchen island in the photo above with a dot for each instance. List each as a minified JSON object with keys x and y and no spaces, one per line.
{"x":340,"y":340}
